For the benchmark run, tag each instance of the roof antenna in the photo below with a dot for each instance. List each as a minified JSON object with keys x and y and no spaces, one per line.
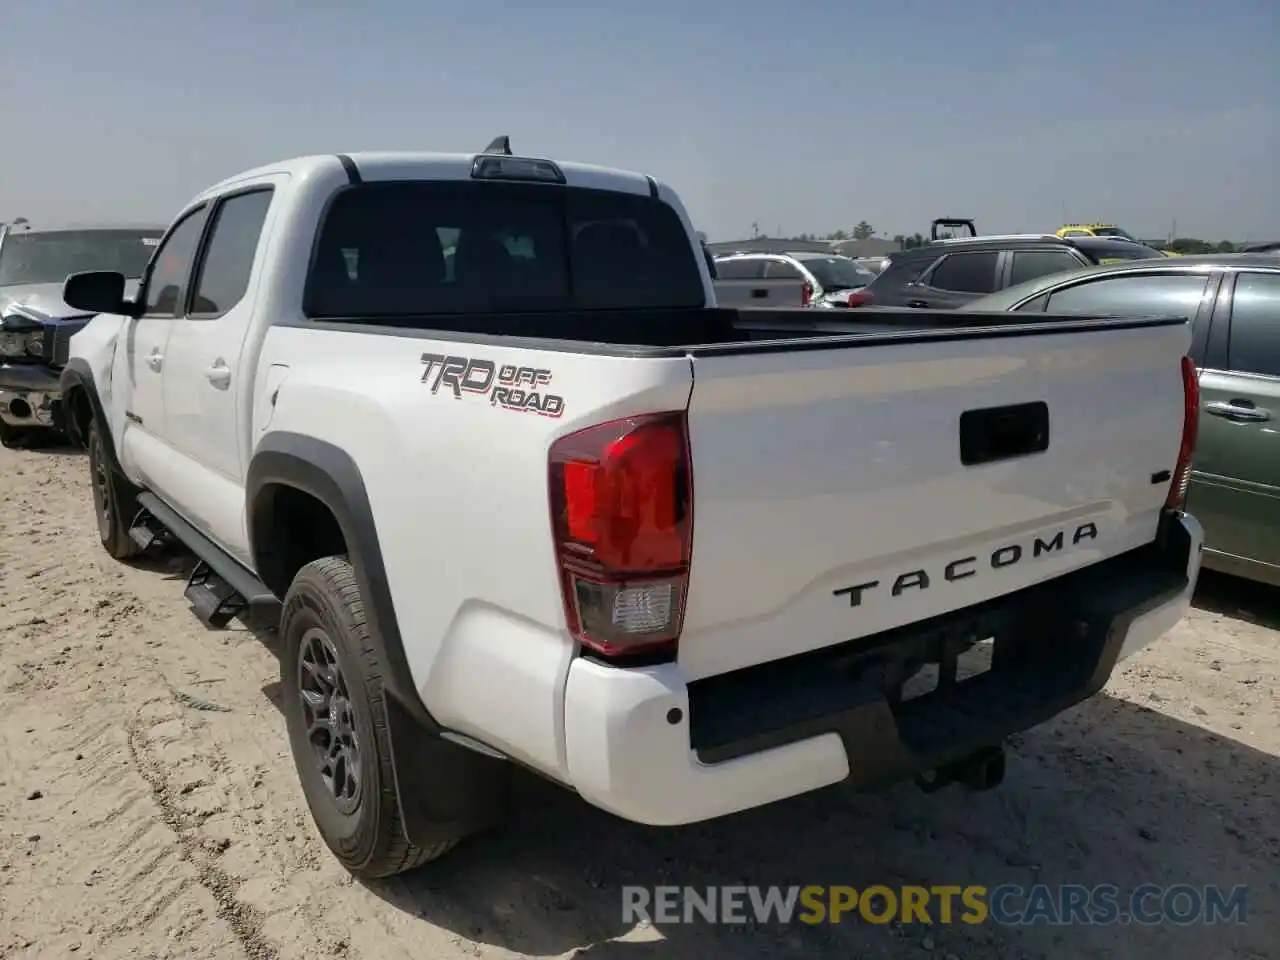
{"x":501,"y":145}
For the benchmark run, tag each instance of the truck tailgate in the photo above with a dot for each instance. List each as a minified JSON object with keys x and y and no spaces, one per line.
{"x":759,"y":293}
{"x":832,"y":499}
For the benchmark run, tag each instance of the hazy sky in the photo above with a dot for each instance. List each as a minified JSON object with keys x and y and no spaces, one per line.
{"x":807,"y":115}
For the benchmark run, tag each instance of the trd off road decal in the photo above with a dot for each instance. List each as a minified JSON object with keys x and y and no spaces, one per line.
{"x":507,"y":386}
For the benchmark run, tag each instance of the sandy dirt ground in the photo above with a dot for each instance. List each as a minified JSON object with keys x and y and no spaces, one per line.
{"x":149,"y":806}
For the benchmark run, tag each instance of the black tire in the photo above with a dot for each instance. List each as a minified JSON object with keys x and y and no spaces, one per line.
{"x":114,"y":499}
{"x":322,"y":622}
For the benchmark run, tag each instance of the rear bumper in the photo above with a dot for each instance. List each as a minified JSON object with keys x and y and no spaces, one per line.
{"x":28,"y":395}
{"x":645,"y":745}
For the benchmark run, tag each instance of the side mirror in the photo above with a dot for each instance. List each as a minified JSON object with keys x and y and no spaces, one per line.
{"x":97,"y":291}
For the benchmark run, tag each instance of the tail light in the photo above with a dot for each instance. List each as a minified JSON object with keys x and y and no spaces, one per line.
{"x":806,"y":293}
{"x":859,"y":298}
{"x":1190,"y":427}
{"x":622,"y":518}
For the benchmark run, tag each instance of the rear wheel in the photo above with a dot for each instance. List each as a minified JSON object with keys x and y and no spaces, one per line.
{"x":114,"y":500}
{"x":335,"y":709}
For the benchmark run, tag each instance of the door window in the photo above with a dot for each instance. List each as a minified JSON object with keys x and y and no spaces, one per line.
{"x":1254,"y":346}
{"x":966,"y":273}
{"x":171,"y":267}
{"x":223,"y":275}
{"x":1157,"y":295}
{"x":1030,"y":264}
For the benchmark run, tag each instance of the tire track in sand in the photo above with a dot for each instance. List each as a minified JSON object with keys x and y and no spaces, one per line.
{"x":244,"y":921}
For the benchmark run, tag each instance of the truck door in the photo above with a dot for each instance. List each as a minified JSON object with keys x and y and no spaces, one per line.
{"x":1235,"y":490}
{"x":955,"y":280}
{"x":209,"y":375}
{"x":141,"y":357}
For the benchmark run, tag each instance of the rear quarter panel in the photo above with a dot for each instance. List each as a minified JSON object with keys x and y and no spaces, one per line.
{"x":459,"y":492}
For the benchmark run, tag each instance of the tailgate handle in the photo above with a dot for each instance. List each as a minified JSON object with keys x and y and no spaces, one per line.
{"x":759,"y":293}
{"x":1002,"y":433}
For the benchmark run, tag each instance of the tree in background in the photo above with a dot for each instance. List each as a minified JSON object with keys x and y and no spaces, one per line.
{"x":863,"y":231}
{"x":1188,"y":245}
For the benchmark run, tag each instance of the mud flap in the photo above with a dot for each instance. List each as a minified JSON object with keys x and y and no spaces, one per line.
{"x":445,"y":791}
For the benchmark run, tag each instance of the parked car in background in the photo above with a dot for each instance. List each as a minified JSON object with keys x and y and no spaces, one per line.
{"x":873,"y":265}
{"x":1110,"y":230}
{"x":741,"y":282}
{"x":1234,"y":301}
{"x":945,"y":274}
{"x":36,"y":326}
{"x":1094,"y":230}
{"x":826,"y":279}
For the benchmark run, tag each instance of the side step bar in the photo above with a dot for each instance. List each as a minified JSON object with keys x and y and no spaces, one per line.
{"x":219,"y":588}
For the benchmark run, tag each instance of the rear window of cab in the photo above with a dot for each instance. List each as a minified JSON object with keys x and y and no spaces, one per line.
{"x":446,"y":247}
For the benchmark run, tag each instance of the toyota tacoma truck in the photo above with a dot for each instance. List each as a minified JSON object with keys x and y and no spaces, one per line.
{"x":471,"y":433}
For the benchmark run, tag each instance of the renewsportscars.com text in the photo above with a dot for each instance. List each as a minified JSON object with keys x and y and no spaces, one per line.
{"x":1067,"y":904}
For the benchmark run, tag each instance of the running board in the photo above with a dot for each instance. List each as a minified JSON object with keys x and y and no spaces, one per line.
{"x":219,"y":588}
{"x":147,"y":532}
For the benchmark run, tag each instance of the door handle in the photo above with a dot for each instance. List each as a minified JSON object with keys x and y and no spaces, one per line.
{"x":1243,"y":410}
{"x":156,"y":360}
{"x":917,"y":303}
{"x":219,"y":374}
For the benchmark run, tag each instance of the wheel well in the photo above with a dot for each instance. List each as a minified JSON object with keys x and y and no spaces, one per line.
{"x":291,"y":528}
{"x":79,"y":413}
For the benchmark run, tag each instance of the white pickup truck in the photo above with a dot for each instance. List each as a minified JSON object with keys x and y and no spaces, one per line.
{"x":470,"y":431}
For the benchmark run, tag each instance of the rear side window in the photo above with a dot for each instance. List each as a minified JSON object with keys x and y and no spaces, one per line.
{"x":1255,"y":324}
{"x":1030,"y":264}
{"x":740,"y":269}
{"x":966,"y":272}
{"x":229,"y":253}
{"x":1155,"y":295}
{"x":901,"y":271}
{"x":780,"y":270}
{"x":420,"y":248}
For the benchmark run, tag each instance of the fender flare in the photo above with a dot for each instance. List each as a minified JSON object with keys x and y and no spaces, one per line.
{"x":445,"y":791}
{"x":329,"y":474}
{"x":76,"y":376}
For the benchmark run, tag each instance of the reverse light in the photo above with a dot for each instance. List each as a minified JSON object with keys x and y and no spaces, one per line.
{"x":1190,"y":429}
{"x":622,"y":518}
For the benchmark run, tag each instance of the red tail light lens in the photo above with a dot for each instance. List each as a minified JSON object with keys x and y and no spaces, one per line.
{"x":1190,"y":429}
{"x":622,"y":517}
{"x":806,"y":293}
{"x":859,"y":298}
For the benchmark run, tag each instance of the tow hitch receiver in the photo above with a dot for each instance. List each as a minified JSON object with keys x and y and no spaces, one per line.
{"x":981,"y":770}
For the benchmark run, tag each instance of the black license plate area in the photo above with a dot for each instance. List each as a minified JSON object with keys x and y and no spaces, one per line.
{"x":1003,"y":433}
